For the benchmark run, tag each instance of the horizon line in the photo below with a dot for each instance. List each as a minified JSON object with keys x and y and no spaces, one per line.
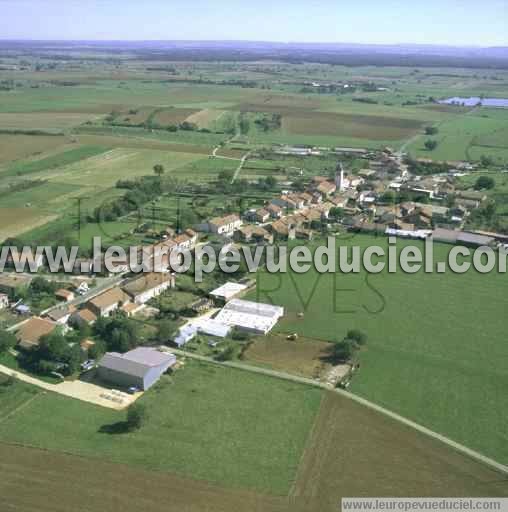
{"x":191,"y":40}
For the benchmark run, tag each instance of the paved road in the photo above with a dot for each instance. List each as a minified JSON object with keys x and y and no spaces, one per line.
{"x":401,"y":419}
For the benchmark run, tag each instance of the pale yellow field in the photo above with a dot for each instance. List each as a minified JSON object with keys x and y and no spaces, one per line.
{"x":103,"y":171}
{"x":205,"y":118}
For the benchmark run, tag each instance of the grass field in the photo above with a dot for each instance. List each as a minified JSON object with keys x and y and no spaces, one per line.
{"x":436,"y":347}
{"x":206,"y":423}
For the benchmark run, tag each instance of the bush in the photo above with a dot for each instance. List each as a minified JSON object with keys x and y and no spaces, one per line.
{"x":357,"y":336}
{"x":136,"y":416}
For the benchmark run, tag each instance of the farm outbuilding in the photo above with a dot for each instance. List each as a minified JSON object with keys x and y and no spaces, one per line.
{"x":140,"y":368}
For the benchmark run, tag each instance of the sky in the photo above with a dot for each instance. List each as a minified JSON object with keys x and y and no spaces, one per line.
{"x":446,"y":22}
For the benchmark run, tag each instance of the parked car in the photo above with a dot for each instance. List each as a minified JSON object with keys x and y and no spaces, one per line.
{"x":88,"y":365}
{"x":133,"y":390}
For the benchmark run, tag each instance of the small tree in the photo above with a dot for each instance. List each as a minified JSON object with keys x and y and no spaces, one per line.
{"x":484,"y":183}
{"x":431,"y":130}
{"x":359,"y":337}
{"x":486,"y":161}
{"x":7,"y":341}
{"x":158,"y":169}
{"x":431,"y":144}
{"x":136,"y":416}
{"x":343,"y":350}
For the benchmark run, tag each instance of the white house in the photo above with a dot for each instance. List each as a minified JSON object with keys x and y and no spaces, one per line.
{"x":224,"y":225}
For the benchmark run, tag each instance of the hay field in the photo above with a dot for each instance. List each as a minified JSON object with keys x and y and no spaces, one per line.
{"x":205,"y":118}
{"x":104,"y":170}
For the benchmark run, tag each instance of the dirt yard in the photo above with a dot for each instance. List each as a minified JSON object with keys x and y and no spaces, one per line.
{"x":304,"y":357}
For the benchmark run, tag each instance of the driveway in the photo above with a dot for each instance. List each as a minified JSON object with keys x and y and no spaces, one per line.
{"x":85,"y":391}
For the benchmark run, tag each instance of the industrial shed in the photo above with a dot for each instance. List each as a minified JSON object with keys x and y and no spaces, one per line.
{"x":141,"y":367}
{"x":246,"y":315}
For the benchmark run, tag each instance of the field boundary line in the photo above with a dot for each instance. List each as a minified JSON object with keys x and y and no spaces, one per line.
{"x":363,"y":401}
{"x":22,"y":406}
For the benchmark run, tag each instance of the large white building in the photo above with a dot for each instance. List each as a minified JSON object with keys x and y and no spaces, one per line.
{"x":250,"y":316}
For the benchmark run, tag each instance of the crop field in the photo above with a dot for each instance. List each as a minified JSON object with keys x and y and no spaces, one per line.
{"x":173,"y":116}
{"x":206,"y":117}
{"x":14,"y":147}
{"x":57,"y":159}
{"x":357,"y":126}
{"x":45,"y":121}
{"x":354,"y":451}
{"x":74,"y":481}
{"x":451,"y":380}
{"x":205,"y":423}
{"x":17,"y":220}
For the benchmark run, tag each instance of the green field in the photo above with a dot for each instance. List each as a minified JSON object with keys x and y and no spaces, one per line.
{"x":205,"y":422}
{"x":436,"y":350}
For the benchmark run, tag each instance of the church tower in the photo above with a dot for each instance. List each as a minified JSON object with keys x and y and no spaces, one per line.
{"x":339,"y":178}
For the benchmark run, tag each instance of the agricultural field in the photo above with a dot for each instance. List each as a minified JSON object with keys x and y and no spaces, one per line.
{"x":353,"y":451}
{"x":451,"y":380}
{"x":45,"y":121}
{"x":15,"y":147}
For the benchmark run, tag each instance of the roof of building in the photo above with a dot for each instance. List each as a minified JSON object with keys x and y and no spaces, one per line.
{"x":146,"y":282}
{"x":87,"y":315}
{"x":14,"y":280}
{"x":30,"y":333}
{"x":445,"y":235}
{"x":59,"y":313}
{"x":137,"y":362}
{"x":326,"y":187}
{"x":109,"y":298}
{"x":228,"y":290}
{"x":471,"y":238}
{"x":250,"y":315}
{"x":224,"y":221}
